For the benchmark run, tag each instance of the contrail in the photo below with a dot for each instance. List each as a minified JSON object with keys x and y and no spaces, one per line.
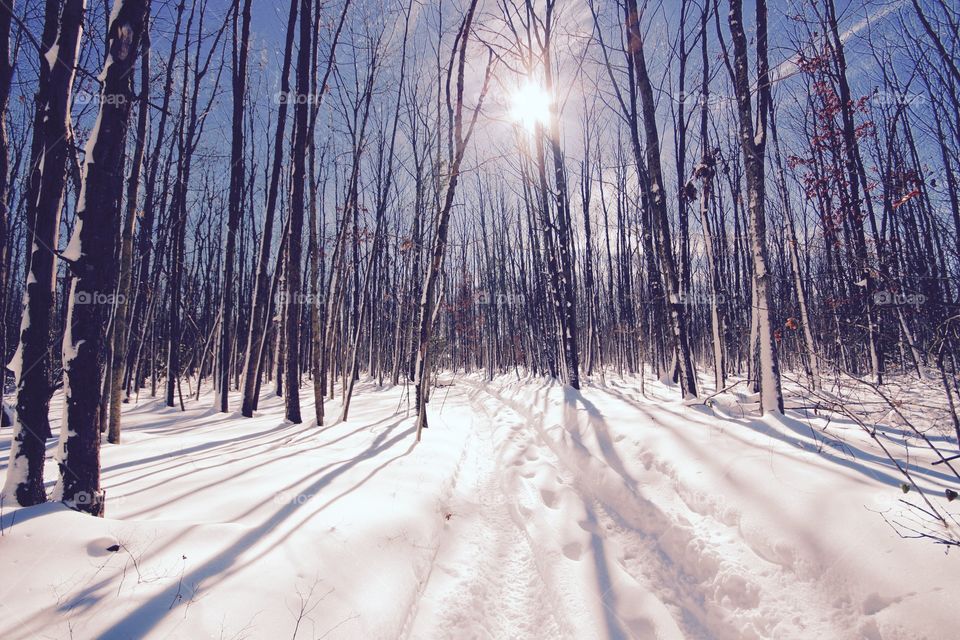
{"x":789,"y":68}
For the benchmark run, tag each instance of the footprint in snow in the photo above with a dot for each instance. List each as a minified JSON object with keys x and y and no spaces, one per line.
{"x":573,"y":550}
{"x":589,"y":526}
{"x":549,"y":498}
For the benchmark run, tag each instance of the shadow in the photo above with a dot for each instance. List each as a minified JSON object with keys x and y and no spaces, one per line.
{"x":597,"y":422}
{"x":5,"y":448}
{"x":258,"y":449}
{"x":841,"y":453}
{"x":140,"y":620}
{"x":10,"y":519}
{"x":198,"y":448}
{"x":608,"y":597}
{"x":636,"y":514}
{"x":797,"y":427}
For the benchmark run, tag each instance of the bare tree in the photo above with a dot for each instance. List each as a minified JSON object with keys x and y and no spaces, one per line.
{"x":241,"y":46}
{"x":753,"y":142}
{"x":460,"y":137}
{"x":657,"y":202}
{"x":45,"y":190}
{"x":90,"y":255}
{"x":297,"y":201}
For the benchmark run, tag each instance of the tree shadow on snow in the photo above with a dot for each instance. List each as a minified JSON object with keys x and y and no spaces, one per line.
{"x":224,"y":564}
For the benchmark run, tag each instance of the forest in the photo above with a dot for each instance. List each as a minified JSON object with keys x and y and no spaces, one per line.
{"x":479,"y":318}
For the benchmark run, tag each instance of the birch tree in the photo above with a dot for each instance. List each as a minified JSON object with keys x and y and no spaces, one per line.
{"x":90,"y":255}
{"x":31,"y":364}
{"x":753,"y":142}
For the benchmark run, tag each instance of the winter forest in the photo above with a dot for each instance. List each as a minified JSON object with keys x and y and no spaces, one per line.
{"x":499,"y":319}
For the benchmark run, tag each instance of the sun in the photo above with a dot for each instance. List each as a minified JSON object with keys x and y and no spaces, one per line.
{"x":530,"y":106}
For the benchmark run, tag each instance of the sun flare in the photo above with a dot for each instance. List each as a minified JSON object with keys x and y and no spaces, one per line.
{"x":530,"y":106}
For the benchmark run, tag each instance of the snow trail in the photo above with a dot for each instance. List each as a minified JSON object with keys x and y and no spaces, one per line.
{"x":668,"y":557}
{"x":485,"y":582}
{"x":620,"y":567}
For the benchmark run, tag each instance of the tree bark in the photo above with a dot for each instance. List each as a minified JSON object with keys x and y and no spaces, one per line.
{"x":91,"y":251}
{"x":297,"y":200}
{"x":121,"y":319}
{"x":45,"y":190}
{"x":658,"y":205}
{"x":753,"y":143}
{"x":259,"y":310}
{"x":237,"y":176}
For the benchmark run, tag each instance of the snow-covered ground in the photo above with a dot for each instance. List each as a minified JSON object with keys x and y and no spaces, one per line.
{"x":528,"y":511}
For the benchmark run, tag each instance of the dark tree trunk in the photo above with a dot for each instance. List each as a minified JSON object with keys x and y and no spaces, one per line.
{"x":92,"y":249}
{"x":237,"y":171}
{"x":6,"y":73}
{"x":297,"y":202}
{"x":121,"y":318}
{"x":143,"y":298}
{"x":260,"y":308}
{"x":459,"y":138}
{"x":45,"y":190}
{"x":658,"y":205}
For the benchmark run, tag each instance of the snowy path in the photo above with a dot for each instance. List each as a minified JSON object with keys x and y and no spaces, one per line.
{"x":561,"y":544}
{"x":529,"y":511}
{"x":485,"y":582}
{"x":629,"y":547}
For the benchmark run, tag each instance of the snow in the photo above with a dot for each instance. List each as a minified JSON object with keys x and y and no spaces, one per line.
{"x":18,"y":467}
{"x":115,"y":10}
{"x":15,"y":366}
{"x":529,"y":510}
{"x":17,"y":474}
{"x":53,"y":53}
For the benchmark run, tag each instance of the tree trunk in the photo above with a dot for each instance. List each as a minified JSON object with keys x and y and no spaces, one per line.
{"x":121,"y":318}
{"x":91,"y":252}
{"x":753,"y":143}
{"x":6,"y":73}
{"x":237,"y":176}
{"x":31,"y":363}
{"x":260,"y":309}
{"x":460,"y":138}
{"x":658,"y":205}
{"x":297,"y":201}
